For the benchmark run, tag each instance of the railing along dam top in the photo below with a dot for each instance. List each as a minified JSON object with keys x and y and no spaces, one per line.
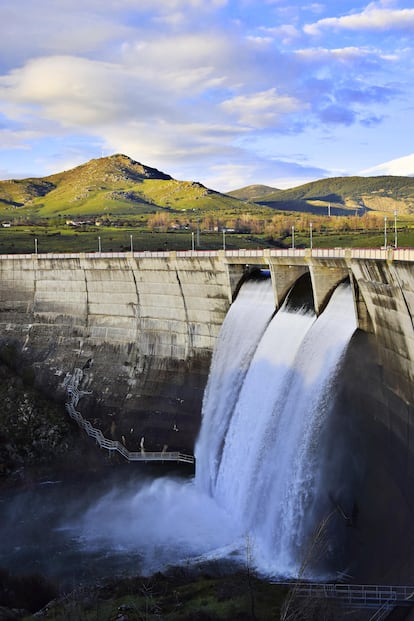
{"x":386,"y":254}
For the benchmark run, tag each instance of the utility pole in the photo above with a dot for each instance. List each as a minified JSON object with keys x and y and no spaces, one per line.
{"x":293,"y":237}
{"x":385,"y":232}
{"x":395,"y":230}
{"x":310,"y":235}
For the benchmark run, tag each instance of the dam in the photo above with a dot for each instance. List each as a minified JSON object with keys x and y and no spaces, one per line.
{"x":143,"y":327}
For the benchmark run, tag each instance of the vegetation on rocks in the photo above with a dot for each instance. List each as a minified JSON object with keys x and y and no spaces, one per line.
{"x":175,"y":595}
{"x":33,"y":429}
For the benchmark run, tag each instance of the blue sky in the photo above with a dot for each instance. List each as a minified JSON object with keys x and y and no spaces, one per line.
{"x":225,"y":92}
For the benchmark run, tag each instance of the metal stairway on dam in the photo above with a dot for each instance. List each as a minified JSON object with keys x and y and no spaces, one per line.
{"x":114,"y":445}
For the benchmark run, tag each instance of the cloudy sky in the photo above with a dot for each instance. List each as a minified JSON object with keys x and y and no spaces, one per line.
{"x":226,"y":92}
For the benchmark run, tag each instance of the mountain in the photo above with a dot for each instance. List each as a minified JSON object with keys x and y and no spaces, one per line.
{"x":119,"y":186}
{"x":343,"y":195}
{"x":253,"y":192}
{"x":115,"y":184}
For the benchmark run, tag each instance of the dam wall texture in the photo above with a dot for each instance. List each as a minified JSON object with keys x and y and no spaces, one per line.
{"x":142,"y":328}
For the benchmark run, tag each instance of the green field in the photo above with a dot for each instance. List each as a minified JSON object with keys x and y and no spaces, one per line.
{"x":20,"y":240}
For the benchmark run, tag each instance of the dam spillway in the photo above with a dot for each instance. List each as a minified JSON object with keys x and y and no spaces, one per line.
{"x":267,"y":403}
{"x":145,"y":326}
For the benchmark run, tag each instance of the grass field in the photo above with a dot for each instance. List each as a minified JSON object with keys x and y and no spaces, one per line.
{"x":56,"y":239}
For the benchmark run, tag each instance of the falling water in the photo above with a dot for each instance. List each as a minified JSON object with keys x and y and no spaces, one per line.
{"x":243,"y":328}
{"x":268,"y":472}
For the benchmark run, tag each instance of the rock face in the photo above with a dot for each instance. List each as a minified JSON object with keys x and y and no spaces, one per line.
{"x":33,"y":430}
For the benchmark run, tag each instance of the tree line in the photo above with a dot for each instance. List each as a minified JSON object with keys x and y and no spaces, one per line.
{"x":278,"y":225}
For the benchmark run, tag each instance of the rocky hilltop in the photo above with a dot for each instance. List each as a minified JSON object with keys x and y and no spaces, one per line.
{"x":114,"y":184}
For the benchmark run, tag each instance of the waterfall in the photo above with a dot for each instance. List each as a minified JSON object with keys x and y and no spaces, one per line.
{"x":268,"y":398}
{"x":242,"y":329}
{"x":261,"y":469}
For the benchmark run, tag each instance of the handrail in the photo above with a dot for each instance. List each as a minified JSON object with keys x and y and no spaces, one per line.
{"x":356,"y":595}
{"x":114,"y":445}
{"x":388,"y":254}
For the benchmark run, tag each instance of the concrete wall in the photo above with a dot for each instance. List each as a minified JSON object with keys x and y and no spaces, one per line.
{"x":145,"y":328}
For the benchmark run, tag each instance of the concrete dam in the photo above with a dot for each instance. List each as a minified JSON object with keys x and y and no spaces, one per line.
{"x":143,"y":327}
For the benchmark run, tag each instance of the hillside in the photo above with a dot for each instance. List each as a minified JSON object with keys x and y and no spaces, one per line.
{"x":346,"y":194}
{"x":119,"y":186}
{"x":253,"y":192}
{"x":115,"y":184}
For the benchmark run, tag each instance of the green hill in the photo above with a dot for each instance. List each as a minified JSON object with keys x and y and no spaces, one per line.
{"x":346,"y":194}
{"x":117,"y":185}
{"x":121,"y":187}
{"x":253,"y":192}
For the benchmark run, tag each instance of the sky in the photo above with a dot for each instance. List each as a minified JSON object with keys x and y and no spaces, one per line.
{"x":225,"y":92}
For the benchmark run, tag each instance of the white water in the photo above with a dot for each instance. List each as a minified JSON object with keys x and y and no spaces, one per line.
{"x":268,"y":474}
{"x":242,"y":330}
{"x":259,"y":479}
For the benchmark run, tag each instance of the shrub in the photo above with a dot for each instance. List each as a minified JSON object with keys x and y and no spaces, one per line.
{"x":30,"y":592}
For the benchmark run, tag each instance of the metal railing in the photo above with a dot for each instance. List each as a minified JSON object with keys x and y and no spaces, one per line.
{"x":357,"y":595}
{"x":114,"y":445}
{"x":389,"y":254}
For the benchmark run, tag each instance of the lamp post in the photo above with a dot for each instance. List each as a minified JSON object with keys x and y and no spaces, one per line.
{"x":131,"y":244}
{"x":395,"y":231}
{"x":385,"y":232}
{"x":35,"y":244}
{"x":192,"y":241}
{"x":293,"y":237}
{"x":224,"y":239}
{"x":99,"y":244}
{"x":310,"y":235}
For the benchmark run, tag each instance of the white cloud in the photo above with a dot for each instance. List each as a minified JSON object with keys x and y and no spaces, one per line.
{"x":181,"y":61}
{"x":342,"y":54}
{"x":37,"y":30}
{"x":287,"y":33}
{"x":92,"y":27}
{"x":373,"y":18}
{"x":261,"y":109}
{"x":70,"y":90}
{"x":17,"y":139}
{"x":402,"y":166}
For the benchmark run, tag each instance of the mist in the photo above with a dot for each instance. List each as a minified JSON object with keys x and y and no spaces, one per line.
{"x":78,"y":531}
